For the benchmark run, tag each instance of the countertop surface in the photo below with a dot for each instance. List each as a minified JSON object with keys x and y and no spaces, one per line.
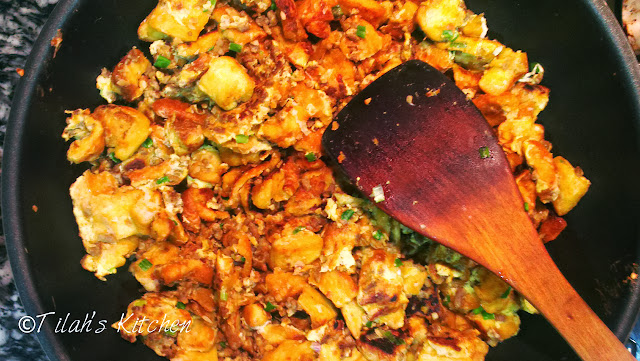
{"x":20,"y":23}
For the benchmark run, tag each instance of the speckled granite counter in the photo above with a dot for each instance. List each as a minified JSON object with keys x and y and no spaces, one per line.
{"x":20,"y":23}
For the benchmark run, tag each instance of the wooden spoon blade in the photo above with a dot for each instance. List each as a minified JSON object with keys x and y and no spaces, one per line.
{"x":414,"y":133}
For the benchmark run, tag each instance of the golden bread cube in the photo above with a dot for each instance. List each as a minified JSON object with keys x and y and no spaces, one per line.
{"x":317,"y":306}
{"x":573,"y":185}
{"x":436,"y":16}
{"x":227,"y":83}
{"x":302,"y":247}
{"x":180,"y":19}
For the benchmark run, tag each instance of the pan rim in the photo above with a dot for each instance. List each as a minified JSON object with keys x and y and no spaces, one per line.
{"x":36,"y":64}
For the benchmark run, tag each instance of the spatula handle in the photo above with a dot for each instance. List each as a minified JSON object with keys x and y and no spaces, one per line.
{"x":554,"y":297}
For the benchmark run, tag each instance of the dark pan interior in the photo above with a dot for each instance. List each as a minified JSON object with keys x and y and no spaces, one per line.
{"x":592,"y":120}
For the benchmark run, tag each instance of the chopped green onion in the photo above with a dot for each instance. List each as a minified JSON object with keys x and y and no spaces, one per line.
{"x":206,"y":144}
{"x":447,"y":300}
{"x":180,"y":305}
{"x":112,"y":270}
{"x":223,"y":345}
{"x":337,"y":11}
{"x":391,"y":337}
{"x":506,"y":293}
{"x":526,"y":207}
{"x":398,"y":262}
{"x":534,"y":76}
{"x":298,"y":229}
{"x":223,"y":295}
{"x":485,"y":315}
{"x":450,"y":35}
{"x":162,"y":62}
{"x":273,"y":5}
{"x":242,"y":259}
{"x":368,"y":324}
{"x":346,"y":215}
{"x":235,"y":47}
{"x":138,"y":303}
{"x":161,"y":180}
{"x":310,"y":157}
{"x":213,"y":3}
{"x":170,"y":333}
{"x":465,"y":59}
{"x":145,"y":264}
{"x":458,"y":45}
{"x":377,"y":193}
{"x":113,"y":158}
{"x":488,"y":316}
{"x":361,"y":31}
{"x":147,"y":143}
{"x":269,"y":307}
{"x":242,"y":139}
{"x":484,"y":152}
{"x":378,"y":235}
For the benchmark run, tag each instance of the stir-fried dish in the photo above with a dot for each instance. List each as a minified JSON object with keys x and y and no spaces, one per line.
{"x":207,"y":174}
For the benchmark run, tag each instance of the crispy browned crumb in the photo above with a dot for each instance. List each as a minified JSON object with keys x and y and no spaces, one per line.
{"x":56,"y":41}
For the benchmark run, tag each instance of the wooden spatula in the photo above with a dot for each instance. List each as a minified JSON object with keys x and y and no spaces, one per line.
{"x":416,"y":136}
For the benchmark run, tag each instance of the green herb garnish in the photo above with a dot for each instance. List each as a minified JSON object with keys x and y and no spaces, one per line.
{"x":162,"y":180}
{"x":180,"y":305}
{"x":223,"y":295}
{"x":398,"y":262}
{"x":361,"y":31}
{"x":223,"y":345}
{"x":346,"y":215}
{"x":311,"y":157}
{"x":488,"y":316}
{"x":485,"y":315}
{"x":378,"y":235}
{"x":147,"y":143}
{"x":337,"y":11}
{"x":269,"y":307}
{"x":113,"y":158}
{"x":368,"y":324}
{"x":235,"y":47}
{"x":506,"y":293}
{"x":273,"y":6}
{"x":170,"y":333}
{"x":138,"y":303}
{"x":162,"y":62}
{"x":484,"y":152}
{"x":298,"y":229}
{"x":242,"y":139}
{"x":458,"y":45}
{"x":447,"y":300}
{"x":450,"y":35}
{"x":391,"y":337}
{"x":526,"y":207}
{"x":145,"y":264}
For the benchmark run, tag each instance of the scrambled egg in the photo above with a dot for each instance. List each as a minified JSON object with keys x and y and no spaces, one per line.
{"x":207,"y":178}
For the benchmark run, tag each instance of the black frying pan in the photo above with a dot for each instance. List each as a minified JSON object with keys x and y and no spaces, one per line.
{"x":593,"y":120}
